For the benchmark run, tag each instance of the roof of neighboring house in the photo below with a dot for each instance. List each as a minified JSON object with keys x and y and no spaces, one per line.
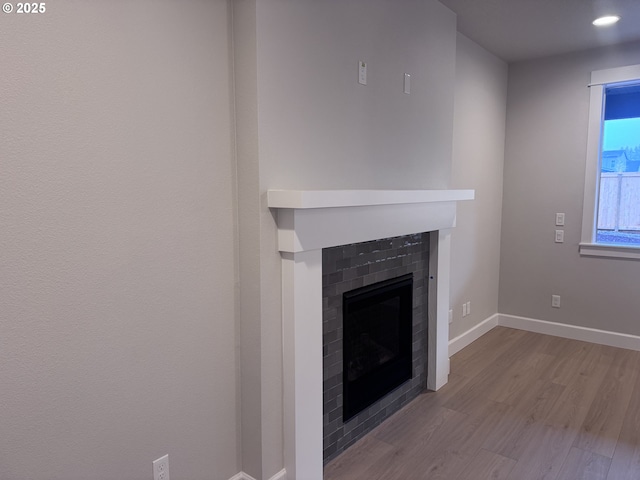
{"x":609,"y":154}
{"x":618,"y":156}
{"x":633,"y":166}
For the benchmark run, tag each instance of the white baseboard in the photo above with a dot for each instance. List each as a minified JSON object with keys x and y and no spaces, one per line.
{"x":461,"y":341}
{"x":585,"y":334}
{"x":573,"y":332}
{"x":281,"y":475}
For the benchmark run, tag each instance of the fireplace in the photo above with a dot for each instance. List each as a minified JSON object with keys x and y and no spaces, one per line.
{"x":376,"y":342}
{"x":393,"y":274}
{"x":310,"y":221}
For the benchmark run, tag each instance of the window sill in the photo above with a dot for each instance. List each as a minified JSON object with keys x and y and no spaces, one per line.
{"x":612,"y":251}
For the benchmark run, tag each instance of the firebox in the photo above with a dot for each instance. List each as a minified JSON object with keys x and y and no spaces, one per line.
{"x":377,"y":322}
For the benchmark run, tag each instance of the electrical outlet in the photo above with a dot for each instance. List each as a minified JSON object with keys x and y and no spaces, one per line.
{"x":555,"y":301}
{"x":161,"y":468}
{"x":559,"y":219}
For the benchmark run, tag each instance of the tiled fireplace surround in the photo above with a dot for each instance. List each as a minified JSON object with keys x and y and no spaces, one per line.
{"x":345,"y":268}
{"x":309,"y":221}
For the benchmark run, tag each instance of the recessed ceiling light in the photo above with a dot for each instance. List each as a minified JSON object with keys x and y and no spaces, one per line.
{"x":605,"y":21}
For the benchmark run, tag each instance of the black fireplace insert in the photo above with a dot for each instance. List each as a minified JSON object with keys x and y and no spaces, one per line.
{"x":377,"y":322}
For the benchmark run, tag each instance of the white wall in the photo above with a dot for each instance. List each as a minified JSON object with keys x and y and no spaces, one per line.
{"x":318,"y":129}
{"x":478,"y":158}
{"x":117,"y":242}
{"x":547,"y":114}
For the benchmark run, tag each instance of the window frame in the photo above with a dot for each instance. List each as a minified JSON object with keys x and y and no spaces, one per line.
{"x":600,"y":79}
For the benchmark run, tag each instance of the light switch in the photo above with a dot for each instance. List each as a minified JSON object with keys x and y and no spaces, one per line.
{"x":559,"y":236}
{"x":559,"y":219}
{"x":407,"y":83}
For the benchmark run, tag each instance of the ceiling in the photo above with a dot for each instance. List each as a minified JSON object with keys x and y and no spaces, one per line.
{"x":523,"y":29}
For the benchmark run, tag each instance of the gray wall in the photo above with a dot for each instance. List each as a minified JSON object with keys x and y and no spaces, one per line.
{"x":478,"y":157}
{"x":319,"y":129}
{"x":547,"y":112}
{"x":117,"y":242}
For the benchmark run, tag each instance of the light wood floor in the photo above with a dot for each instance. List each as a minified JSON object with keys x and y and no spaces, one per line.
{"x":518,"y":406}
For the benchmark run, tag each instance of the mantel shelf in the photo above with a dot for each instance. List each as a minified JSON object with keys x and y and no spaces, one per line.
{"x":309,"y":199}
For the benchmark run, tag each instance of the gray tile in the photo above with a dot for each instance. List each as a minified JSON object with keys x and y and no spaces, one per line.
{"x":336,"y":348}
{"x":372,"y":262}
{"x":330,"y":383}
{"x":329,"y":337}
{"x":351,"y":273}
{"x":335,"y":414}
{"x":336,"y":277}
{"x":329,"y":290}
{"x":343,"y":264}
{"x":335,"y":301}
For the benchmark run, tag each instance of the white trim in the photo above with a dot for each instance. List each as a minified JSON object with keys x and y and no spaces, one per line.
{"x":302,"y":358}
{"x":306,"y":199}
{"x":314,"y":229}
{"x":573,"y":332}
{"x":471,"y":335}
{"x":615,"y":75}
{"x":592,"y":167}
{"x":438,"y":309}
{"x":242,"y":476}
{"x":612,"y":251}
{"x":281,"y":475}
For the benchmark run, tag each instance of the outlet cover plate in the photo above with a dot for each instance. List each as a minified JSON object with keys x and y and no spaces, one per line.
{"x":161,"y":468}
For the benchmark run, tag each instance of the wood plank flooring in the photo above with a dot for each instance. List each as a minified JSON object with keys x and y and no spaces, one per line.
{"x":518,"y":406}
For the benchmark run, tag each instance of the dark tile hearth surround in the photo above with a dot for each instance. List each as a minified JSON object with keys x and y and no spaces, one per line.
{"x":351,"y":266}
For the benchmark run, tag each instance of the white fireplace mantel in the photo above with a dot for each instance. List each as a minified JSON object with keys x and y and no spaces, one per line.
{"x":311,"y":220}
{"x":304,"y":199}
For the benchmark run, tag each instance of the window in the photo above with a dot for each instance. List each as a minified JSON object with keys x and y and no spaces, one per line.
{"x":611,"y":215}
